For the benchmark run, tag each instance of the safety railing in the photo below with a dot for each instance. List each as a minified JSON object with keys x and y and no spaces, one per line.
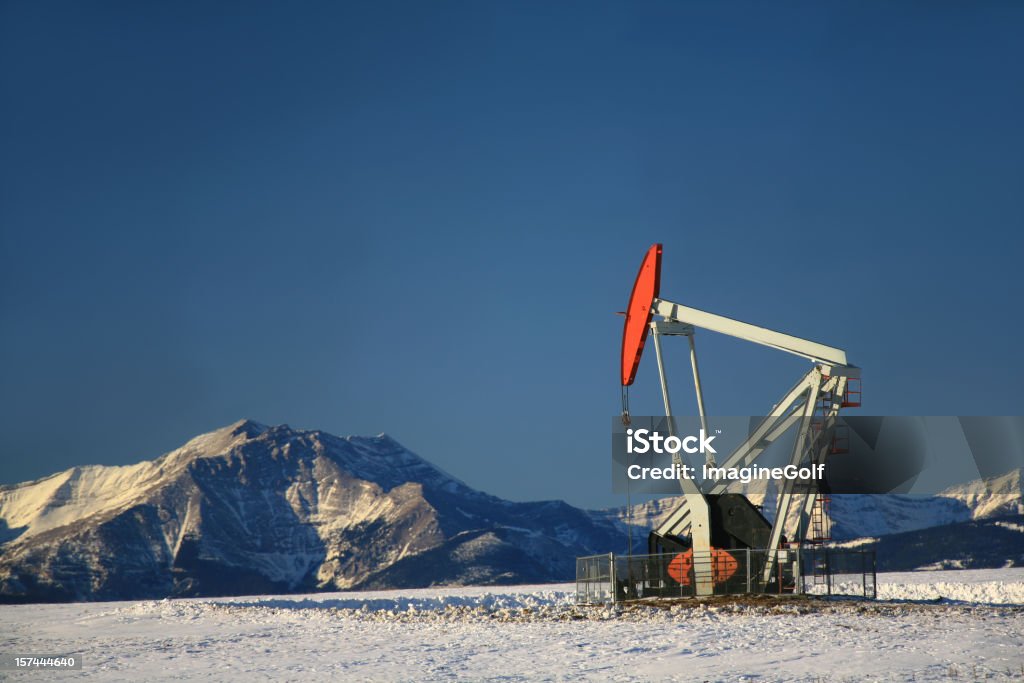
{"x":838,"y":571}
{"x":618,"y":578}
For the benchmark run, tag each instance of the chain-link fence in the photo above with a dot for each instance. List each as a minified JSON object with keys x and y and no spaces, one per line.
{"x":835,"y":571}
{"x":617,"y":578}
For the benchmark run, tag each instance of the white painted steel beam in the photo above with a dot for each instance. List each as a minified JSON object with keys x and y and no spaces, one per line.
{"x":741,"y":330}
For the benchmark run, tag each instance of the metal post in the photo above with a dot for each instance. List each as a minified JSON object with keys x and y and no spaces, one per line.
{"x":700,"y":392}
{"x":611,"y":577}
{"x":629,"y":521}
{"x":874,"y":575}
{"x":799,"y":579}
{"x":802,"y":532}
{"x":828,"y":572}
{"x":748,"y":570}
{"x":664,"y":380}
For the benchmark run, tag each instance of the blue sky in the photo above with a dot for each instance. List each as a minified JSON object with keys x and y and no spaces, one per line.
{"x":419,"y":218}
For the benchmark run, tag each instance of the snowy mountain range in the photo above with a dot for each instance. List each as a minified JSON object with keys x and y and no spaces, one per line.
{"x":250,"y":508}
{"x":256,"y":509}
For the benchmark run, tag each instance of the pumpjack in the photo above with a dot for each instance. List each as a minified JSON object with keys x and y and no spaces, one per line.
{"x":713,"y":522}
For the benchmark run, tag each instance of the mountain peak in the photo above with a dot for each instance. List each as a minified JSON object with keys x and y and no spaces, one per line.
{"x":250,"y":428}
{"x":217,"y":442}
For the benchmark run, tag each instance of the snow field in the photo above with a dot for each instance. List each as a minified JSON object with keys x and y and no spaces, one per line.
{"x":529,"y":633}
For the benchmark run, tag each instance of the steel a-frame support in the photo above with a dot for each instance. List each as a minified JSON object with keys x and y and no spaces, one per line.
{"x":813,"y":446}
{"x":694,"y":506}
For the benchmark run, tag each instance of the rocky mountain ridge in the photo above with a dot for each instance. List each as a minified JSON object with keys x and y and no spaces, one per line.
{"x":256,"y":509}
{"x":251,"y":508}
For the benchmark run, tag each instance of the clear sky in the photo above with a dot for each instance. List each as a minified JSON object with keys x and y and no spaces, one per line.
{"x":419,"y":218}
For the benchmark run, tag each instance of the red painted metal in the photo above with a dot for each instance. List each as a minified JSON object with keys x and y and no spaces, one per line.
{"x":638,"y":313}
{"x":723,"y":566}
{"x":852,"y":397}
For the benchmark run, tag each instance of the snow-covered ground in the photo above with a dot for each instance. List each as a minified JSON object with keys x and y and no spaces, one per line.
{"x":953,"y":625}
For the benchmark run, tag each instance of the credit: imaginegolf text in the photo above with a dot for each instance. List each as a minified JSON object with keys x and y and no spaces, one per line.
{"x":642,"y":441}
